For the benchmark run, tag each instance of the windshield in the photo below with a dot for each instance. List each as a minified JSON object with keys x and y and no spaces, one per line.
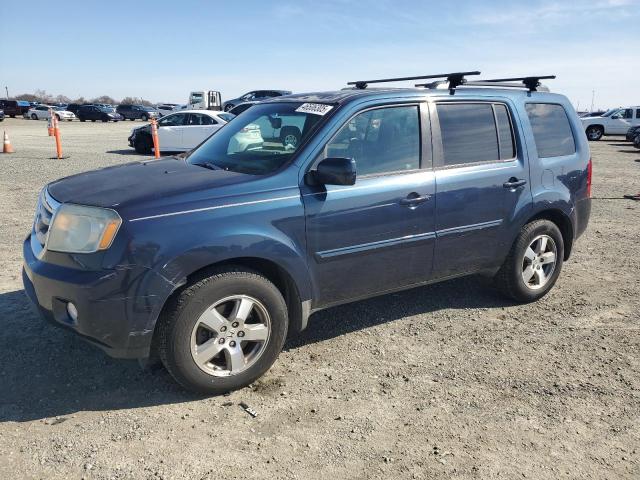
{"x":261,"y":140}
{"x":610,"y":112}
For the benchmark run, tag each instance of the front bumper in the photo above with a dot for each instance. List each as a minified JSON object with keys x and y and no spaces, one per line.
{"x":114,"y":312}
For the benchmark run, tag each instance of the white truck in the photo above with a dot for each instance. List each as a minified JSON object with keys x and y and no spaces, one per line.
{"x":205,"y":100}
{"x":614,"y":122}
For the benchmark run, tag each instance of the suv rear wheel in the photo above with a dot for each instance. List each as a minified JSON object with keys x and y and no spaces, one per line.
{"x":594,"y":133}
{"x":534,"y":262}
{"x":144,"y":117}
{"x":223,"y":332}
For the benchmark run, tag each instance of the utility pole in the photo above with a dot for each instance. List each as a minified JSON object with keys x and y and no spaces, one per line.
{"x":6,"y":89}
{"x":593,"y":96}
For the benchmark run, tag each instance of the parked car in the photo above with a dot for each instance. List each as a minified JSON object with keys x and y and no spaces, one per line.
{"x":167,"y":108}
{"x":41,"y":112}
{"x":238,"y":109}
{"x":73,"y":108}
{"x":180,"y":131}
{"x":210,"y":260}
{"x":1,"y":115}
{"x":597,"y":113}
{"x":94,"y":112}
{"x":12,"y":108}
{"x":632,"y":133}
{"x":134,"y":112}
{"x":616,"y":122}
{"x":254,"y":96}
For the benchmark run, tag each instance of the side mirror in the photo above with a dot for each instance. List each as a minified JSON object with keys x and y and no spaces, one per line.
{"x":335,"y":171}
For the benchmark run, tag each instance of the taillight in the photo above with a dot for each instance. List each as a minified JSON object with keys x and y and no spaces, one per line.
{"x":589,"y":173}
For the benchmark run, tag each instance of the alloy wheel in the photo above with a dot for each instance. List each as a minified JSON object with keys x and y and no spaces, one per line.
{"x":230,"y":336}
{"x":539,"y":262}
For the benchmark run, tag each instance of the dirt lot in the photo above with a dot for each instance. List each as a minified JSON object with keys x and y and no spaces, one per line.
{"x":447,"y":381}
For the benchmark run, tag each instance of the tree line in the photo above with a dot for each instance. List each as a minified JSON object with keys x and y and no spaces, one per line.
{"x":46,"y":98}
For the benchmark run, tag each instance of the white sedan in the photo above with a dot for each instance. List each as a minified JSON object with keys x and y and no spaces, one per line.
{"x":41,"y":112}
{"x":180,"y":131}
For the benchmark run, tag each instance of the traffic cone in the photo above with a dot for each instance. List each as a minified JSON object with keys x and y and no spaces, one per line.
{"x":6,"y":147}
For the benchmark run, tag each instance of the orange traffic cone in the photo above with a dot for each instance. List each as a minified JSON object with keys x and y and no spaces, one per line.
{"x":7,"y":148}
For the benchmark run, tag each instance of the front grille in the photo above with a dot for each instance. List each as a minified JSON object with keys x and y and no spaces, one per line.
{"x":47,"y":206}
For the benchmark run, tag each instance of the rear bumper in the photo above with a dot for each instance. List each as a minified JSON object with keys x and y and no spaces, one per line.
{"x":583,"y":213}
{"x":109,"y":316}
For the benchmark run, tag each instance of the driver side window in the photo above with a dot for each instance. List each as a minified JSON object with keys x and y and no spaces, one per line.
{"x":381,"y":140}
{"x":172,"y":120}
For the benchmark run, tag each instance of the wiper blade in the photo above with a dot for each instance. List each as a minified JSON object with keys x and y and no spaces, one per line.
{"x":209,"y":165}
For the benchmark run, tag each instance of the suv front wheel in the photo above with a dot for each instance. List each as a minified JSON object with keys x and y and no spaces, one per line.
{"x":534,"y":262}
{"x":223,"y":332}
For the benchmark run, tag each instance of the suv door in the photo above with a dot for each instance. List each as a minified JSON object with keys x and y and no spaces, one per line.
{"x":620,"y":121}
{"x":376,"y":235}
{"x":481,"y":181}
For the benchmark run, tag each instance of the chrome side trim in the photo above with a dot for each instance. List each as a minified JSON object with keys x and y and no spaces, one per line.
{"x":328,"y":255}
{"x":468,"y":228}
{"x":205,"y":209}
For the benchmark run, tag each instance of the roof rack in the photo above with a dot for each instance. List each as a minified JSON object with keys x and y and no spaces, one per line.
{"x":455,"y":79}
{"x":531,"y":83}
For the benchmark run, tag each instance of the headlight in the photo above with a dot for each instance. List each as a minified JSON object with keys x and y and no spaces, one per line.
{"x":80,"y":229}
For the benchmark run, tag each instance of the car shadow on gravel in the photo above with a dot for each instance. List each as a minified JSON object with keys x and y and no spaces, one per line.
{"x":47,"y":371}
{"x":461,"y":293}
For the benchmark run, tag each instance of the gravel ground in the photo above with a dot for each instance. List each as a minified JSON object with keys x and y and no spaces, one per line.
{"x":446,"y":381}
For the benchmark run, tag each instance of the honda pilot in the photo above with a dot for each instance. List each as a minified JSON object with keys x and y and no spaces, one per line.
{"x":208,"y":261}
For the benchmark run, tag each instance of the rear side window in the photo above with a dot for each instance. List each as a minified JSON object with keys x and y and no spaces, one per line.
{"x":551,"y":130}
{"x":470,"y":135}
{"x":638,"y":113}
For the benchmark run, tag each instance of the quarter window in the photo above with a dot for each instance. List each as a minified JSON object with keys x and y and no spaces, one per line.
{"x":469,"y":133}
{"x":380,"y":140}
{"x":551,"y":130}
{"x":638,"y":113}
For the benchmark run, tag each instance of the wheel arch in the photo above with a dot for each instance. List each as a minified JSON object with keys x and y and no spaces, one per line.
{"x":564,"y":224}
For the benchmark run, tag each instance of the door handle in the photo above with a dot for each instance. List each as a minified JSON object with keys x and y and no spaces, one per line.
{"x":414,"y":199}
{"x":514,"y":183}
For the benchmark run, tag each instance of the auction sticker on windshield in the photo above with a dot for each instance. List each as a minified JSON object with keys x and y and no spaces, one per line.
{"x":315,"y":108}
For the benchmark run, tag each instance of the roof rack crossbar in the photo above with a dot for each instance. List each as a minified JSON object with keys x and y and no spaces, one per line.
{"x":454,"y":79}
{"x":532,"y":83}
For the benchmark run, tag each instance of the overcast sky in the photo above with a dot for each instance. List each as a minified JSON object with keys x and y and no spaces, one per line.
{"x":161,"y":50}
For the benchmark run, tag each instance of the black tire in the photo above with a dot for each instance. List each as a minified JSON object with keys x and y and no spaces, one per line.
{"x":636,"y":141}
{"x":12,"y":116}
{"x":143,"y":144}
{"x":594,"y":133}
{"x":105,"y":119}
{"x":290,"y":135}
{"x":144,"y":118}
{"x":178,"y":321}
{"x":509,"y":278}
{"x":34,"y":116}
{"x":93,"y":120}
{"x":58,"y":117}
{"x":82,"y":119}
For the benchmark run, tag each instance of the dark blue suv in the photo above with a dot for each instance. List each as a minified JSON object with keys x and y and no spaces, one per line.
{"x":306,"y":202}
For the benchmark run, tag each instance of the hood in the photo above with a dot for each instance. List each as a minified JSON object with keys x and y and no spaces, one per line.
{"x":138,"y":182}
